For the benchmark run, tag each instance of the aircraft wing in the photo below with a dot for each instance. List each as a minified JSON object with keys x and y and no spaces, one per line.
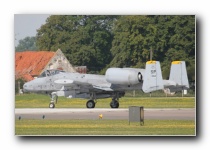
{"x":72,"y":83}
{"x":104,"y":87}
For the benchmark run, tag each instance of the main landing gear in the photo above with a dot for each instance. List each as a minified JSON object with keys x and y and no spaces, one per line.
{"x":115,"y":101}
{"x":54,"y":99}
{"x":113,"y":104}
{"x":90,"y":103}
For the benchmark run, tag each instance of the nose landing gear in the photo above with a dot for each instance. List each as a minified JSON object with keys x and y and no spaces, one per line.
{"x":54,"y":99}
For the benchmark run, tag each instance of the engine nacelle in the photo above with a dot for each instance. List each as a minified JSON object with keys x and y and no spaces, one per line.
{"x":123,"y":76}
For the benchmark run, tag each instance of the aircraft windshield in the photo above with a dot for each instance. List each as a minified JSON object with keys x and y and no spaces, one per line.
{"x":50,"y":73}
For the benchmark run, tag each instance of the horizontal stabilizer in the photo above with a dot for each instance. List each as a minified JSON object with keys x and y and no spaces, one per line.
{"x":152,"y":80}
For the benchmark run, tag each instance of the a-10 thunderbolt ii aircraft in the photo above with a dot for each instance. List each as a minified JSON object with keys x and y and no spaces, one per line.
{"x":113,"y":84}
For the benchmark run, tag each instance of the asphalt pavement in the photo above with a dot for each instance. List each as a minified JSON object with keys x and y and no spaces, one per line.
{"x":114,"y":114}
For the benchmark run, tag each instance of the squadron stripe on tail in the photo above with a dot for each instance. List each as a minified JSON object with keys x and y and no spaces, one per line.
{"x":176,"y":62}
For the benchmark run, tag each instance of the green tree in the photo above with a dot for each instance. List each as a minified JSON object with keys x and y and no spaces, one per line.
{"x":176,"y":41}
{"x":134,"y":36}
{"x":85,"y":40}
{"x":28,"y":43}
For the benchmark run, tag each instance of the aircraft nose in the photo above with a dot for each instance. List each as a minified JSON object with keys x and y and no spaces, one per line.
{"x":25,"y":87}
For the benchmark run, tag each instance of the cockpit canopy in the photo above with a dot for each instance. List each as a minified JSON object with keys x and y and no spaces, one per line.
{"x":48,"y":73}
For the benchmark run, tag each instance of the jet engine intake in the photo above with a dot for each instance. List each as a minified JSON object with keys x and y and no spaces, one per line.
{"x":123,"y":76}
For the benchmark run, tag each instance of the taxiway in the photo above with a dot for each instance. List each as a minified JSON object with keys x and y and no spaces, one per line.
{"x":78,"y":113}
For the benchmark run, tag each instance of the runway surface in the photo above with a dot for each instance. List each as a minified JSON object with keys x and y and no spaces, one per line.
{"x":78,"y":113}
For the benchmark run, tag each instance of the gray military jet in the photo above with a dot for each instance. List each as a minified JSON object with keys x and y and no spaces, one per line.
{"x":113,"y":84}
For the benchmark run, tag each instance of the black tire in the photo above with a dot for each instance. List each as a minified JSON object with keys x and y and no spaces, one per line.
{"x":114,"y":104}
{"x":51,"y":105}
{"x":90,"y":104}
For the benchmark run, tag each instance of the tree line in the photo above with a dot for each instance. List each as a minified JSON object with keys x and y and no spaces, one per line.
{"x":103,"y":41}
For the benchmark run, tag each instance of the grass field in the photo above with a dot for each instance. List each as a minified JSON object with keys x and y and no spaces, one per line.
{"x":42,"y":101}
{"x":104,"y":127}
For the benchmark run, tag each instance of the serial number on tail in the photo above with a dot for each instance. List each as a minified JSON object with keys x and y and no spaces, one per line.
{"x":153,"y":73}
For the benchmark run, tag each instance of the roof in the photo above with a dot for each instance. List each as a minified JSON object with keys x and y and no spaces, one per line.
{"x":31,"y":63}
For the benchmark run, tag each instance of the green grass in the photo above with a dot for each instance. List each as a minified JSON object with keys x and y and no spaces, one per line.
{"x":139,"y":93}
{"x":104,"y":127}
{"x":42,"y":101}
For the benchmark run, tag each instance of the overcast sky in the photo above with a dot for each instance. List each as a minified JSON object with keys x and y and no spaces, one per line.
{"x":27,"y":24}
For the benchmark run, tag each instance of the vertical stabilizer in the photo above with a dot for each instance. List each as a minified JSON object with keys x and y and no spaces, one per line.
{"x":152,"y":80}
{"x":178,"y":74}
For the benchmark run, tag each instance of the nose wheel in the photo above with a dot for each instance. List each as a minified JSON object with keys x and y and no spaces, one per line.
{"x":51,"y":105}
{"x":54,"y":99}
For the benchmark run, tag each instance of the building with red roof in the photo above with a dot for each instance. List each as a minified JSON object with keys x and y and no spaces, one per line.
{"x":30,"y":64}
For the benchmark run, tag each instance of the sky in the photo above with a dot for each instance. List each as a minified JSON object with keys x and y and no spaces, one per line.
{"x":27,"y":25}
{"x":133,"y":7}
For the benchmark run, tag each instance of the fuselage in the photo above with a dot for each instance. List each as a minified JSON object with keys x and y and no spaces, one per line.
{"x":86,"y":82}
{"x":82,"y":83}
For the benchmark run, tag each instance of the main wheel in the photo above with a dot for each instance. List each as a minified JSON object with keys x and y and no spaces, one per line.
{"x":114,"y":104}
{"x":51,"y":105}
{"x":90,"y":104}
